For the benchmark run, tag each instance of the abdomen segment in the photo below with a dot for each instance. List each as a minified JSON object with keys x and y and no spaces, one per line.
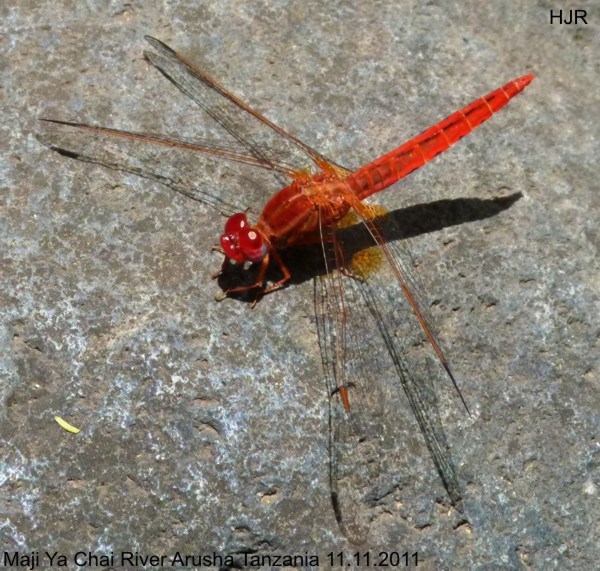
{"x":390,"y":168}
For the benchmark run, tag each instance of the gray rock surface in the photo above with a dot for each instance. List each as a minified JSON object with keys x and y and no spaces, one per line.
{"x":204,"y":424}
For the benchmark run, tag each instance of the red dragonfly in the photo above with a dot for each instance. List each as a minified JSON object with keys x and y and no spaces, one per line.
{"x":370,"y":318}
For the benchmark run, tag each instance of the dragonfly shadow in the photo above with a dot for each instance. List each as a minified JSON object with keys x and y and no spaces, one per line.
{"x":306,"y":262}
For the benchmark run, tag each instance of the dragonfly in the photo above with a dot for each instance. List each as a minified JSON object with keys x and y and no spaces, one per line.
{"x":376,"y":335}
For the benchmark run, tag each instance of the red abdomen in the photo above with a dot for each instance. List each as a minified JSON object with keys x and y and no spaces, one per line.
{"x":390,"y":168}
{"x":292,"y":215}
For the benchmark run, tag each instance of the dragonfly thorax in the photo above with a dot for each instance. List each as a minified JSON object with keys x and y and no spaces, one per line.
{"x":241,"y":241}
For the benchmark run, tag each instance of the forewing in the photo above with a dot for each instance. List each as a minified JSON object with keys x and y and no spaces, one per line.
{"x":355,"y":434}
{"x":261,"y":137}
{"x":373,"y":346}
{"x":183,"y":165}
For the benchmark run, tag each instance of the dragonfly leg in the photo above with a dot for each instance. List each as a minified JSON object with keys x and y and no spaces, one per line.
{"x":223,"y":265}
{"x":259,"y":284}
{"x":259,"y":280}
{"x":286,"y":274}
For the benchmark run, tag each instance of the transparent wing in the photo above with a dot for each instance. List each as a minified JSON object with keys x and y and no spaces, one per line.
{"x":256,"y":133}
{"x":248,"y":138}
{"x":180,"y":164}
{"x":375,"y":351}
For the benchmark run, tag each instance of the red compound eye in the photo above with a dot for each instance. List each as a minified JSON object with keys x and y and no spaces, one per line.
{"x":251,"y":244}
{"x":241,"y":242}
{"x":235,"y":223}
{"x":229,"y":243}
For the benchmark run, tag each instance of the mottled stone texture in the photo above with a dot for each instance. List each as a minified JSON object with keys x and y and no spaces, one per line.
{"x":204,"y":426}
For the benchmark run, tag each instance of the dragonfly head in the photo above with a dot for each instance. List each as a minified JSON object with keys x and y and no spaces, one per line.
{"x":241,"y":242}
